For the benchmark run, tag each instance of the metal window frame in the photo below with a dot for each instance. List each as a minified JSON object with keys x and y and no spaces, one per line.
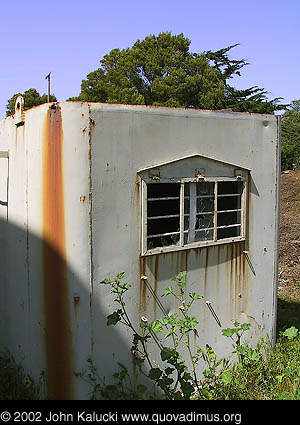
{"x":5,"y":155}
{"x":181,"y":232}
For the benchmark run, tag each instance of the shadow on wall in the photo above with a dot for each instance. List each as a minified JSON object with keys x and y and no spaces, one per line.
{"x":46,"y":314}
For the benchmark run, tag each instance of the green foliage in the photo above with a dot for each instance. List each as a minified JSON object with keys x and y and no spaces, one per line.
{"x":291,"y":332}
{"x":290,"y":137}
{"x":155,"y":71}
{"x":252,"y":99}
{"x":121,"y":387}
{"x":161,"y":71}
{"x":172,"y":377}
{"x":226,"y":376}
{"x":245,"y":353}
{"x":15,"y":384}
{"x":114,"y":318}
{"x":262,"y":373}
{"x":241,"y":349}
{"x":168,"y":291}
{"x":275,"y":376}
{"x":249,"y":373}
{"x":31,"y":98}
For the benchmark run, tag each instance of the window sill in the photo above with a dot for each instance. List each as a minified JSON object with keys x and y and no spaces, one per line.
{"x":174,"y":248}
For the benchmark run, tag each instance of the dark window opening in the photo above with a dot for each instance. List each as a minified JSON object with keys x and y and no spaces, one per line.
{"x":163,"y":214}
{"x":229,"y":213}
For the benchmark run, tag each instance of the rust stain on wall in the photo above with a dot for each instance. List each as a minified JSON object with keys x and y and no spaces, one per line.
{"x":155,"y":284}
{"x":143,"y":288}
{"x":183,"y":261}
{"x":76,"y":300}
{"x":206,"y":267}
{"x":231,"y":267}
{"x":56,"y":296}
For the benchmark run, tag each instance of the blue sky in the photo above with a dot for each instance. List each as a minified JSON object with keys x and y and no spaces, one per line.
{"x":69,"y":37}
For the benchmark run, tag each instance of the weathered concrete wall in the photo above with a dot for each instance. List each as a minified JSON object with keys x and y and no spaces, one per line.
{"x":242,"y":287}
{"x":74,"y":218}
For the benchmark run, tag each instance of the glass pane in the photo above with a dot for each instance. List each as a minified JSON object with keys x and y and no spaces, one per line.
{"x":205,"y":197}
{"x":205,"y":204}
{"x":162,"y":241}
{"x":206,"y":235}
{"x":204,"y":223}
{"x":186,"y":222}
{"x":186,"y":198}
{"x":199,"y":199}
{"x":204,"y":189}
{"x":203,"y":235}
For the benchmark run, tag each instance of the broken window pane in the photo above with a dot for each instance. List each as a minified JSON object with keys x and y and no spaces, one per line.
{"x":199,"y":211}
{"x":205,"y":189}
{"x":206,"y":215}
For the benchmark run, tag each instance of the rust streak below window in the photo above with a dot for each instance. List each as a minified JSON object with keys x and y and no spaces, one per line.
{"x":57,"y":316}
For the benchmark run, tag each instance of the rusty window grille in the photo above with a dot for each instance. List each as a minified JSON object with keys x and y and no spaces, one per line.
{"x":188,"y":213}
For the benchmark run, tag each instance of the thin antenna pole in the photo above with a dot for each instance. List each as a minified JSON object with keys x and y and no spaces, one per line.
{"x":48,"y":89}
{"x":48,"y":78}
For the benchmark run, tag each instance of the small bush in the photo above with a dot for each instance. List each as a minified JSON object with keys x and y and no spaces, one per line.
{"x":15,"y":384}
{"x":260,"y":373}
{"x":275,"y":375}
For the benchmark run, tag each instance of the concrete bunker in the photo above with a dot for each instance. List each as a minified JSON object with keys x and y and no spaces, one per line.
{"x":90,"y":190}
